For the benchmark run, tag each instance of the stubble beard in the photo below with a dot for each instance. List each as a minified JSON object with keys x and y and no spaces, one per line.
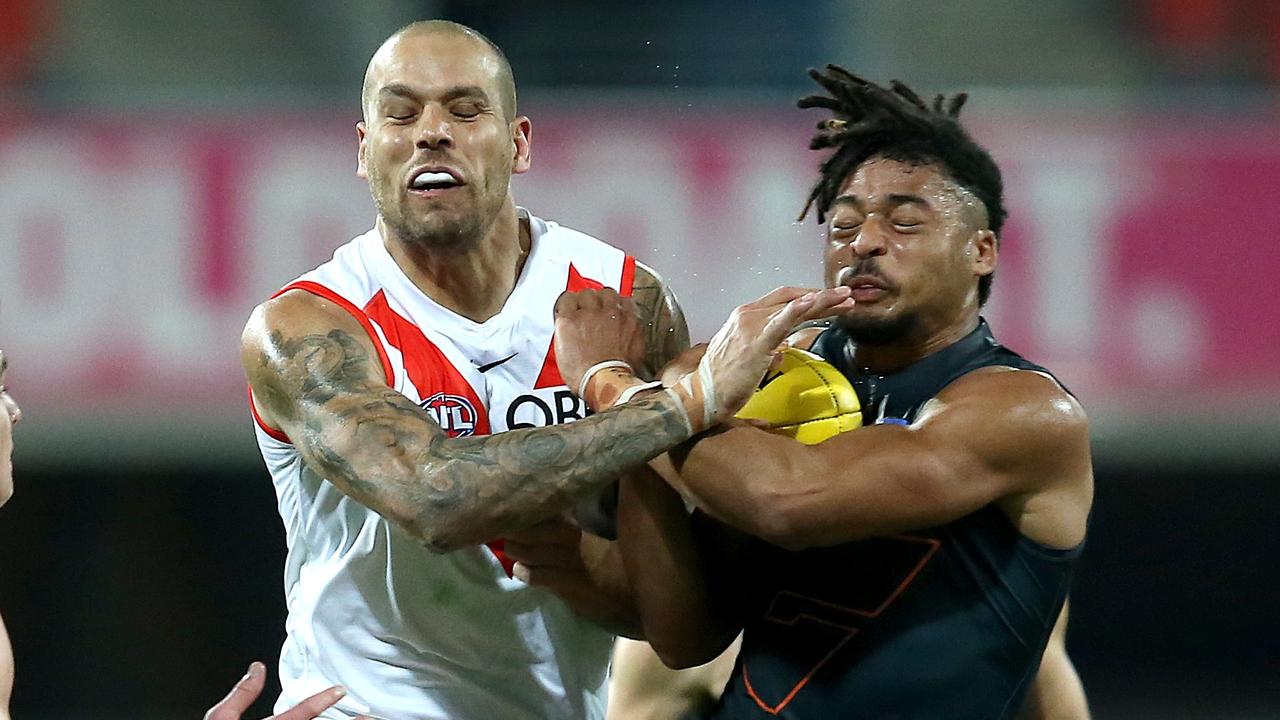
{"x":879,"y":332}
{"x":434,"y":230}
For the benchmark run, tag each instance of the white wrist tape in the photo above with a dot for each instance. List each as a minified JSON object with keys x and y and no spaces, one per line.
{"x":701,"y":390}
{"x":591,"y":371}
{"x":688,"y":422}
{"x":631,"y":392}
{"x":708,"y":395}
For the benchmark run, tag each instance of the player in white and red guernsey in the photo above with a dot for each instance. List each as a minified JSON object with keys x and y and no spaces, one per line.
{"x":413,"y":410}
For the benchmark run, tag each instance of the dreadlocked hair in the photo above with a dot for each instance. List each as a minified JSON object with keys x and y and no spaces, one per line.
{"x":896,"y":123}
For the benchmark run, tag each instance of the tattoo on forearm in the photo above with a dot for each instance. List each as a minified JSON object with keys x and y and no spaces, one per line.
{"x":381,"y":448}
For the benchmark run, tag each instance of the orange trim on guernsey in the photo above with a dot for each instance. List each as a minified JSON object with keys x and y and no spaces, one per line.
{"x":906,"y":582}
{"x":774,"y":710}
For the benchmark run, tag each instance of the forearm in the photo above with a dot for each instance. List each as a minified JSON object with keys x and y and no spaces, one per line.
{"x":738,"y":476}
{"x":666,"y":569}
{"x":606,"y":597}
{"x":454,"y":492}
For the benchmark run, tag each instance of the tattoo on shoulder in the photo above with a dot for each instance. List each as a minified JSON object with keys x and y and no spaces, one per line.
{"x":311,"y":369}
{"x":667,"y":333}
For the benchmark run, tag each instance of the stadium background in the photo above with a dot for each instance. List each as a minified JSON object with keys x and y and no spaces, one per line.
{"x":165,"y":165}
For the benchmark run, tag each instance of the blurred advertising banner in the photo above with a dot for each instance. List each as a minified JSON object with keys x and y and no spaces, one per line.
{"x":1139,"y":261}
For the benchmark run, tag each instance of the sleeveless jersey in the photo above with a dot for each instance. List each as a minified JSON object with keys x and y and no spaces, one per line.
{"x":412,"y":634}
{"x":943,"y":622}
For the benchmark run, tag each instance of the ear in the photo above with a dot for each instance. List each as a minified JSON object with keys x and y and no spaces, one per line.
{"x":522,"y":136}
{"x":362,"y":169}
{"x":983,"y":252}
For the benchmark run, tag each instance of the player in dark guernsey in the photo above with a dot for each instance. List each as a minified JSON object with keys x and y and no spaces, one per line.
{"x":913,"y":568}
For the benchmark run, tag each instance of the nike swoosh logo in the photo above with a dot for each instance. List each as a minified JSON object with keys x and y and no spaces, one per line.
{"x":495,"y":363}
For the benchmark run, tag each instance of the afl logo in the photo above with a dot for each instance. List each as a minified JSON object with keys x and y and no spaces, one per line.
{"x":454,"y":413}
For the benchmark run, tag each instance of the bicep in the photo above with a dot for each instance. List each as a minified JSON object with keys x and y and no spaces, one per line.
{"x":315,"y":373}
{"x":981,"y":440}
{"x":869,"y":482}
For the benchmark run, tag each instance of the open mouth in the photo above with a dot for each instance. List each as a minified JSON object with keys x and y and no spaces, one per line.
{"x":432,"y":179}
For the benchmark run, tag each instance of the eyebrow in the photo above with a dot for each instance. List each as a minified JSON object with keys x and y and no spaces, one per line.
{"x":453,"y":93}
{"x":892,"y":198}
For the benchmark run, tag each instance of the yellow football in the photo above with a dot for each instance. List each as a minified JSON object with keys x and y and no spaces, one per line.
{"x":806,"y":398}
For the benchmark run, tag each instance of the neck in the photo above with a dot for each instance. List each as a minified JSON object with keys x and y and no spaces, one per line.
{"x":475,"y":280}
{"x":891,"y":357}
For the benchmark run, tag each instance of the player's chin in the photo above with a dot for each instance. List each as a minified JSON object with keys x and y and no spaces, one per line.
{"x":874,"y":325}
{"x":867,"y":313}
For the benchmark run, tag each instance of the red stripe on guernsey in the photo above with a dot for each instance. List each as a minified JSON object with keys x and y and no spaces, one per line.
{"x":628,"y":281}
{"x":316,"y":288}
{"x":499,"y":549}
{"x":277,"y":434}
{"x":444,"y":392}
{"x":550,"y":374}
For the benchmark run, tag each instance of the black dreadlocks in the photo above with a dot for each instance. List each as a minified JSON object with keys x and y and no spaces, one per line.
{"x":896,"y":123}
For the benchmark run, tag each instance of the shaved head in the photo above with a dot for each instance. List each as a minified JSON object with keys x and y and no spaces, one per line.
{"x":506,"y":84}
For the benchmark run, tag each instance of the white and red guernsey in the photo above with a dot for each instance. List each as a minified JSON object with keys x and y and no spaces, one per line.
{"x":412,"y":634}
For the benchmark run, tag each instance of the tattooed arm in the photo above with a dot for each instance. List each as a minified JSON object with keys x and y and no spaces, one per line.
{"x":315,"y":375}
{"x":666,"y":333}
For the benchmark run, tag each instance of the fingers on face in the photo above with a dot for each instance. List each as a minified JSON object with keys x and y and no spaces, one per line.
{"x":783,"y":294}
{"x":780,"y":323}
{"x":810,"y":306}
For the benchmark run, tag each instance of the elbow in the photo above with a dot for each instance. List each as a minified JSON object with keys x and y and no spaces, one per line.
{"x":437,"y":515}
{"x":779,"y":519}
{"x":441,"y":536}
{"x":779,"y":529}
{"x":778,"y":503}
{"x":682,"y":661}
{"x":687,"y":653}
{"x":438,"y":542}
{"x":438,"y":532}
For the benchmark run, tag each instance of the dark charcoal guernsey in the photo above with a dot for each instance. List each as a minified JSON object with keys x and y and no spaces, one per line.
{"x":945,"y":622}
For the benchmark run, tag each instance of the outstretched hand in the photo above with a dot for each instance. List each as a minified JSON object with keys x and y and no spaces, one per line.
{"x":250,"y":686}
{"x":741,"y":351}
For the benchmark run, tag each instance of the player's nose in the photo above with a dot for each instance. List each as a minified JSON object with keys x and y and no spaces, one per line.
{"x":433,"y":129}
{"x":869,"y":242}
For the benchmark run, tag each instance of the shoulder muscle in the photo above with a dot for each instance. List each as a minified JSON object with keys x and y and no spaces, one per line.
{"x":296,"y":345}
{"x":667,"y":333}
